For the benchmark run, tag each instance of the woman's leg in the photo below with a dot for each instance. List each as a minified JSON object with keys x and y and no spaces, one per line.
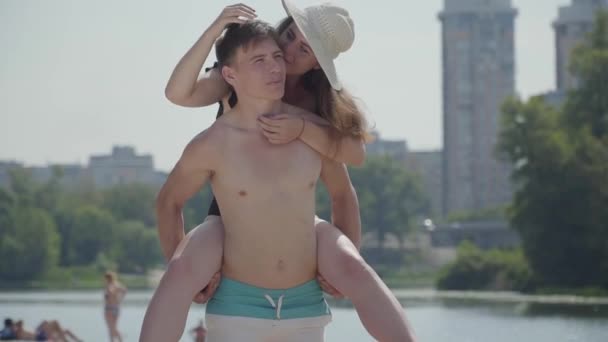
{"x":71,"y":335}
{"x":196,"y":260}
{"x":343,"y":267}
{"x":114,"y":322}
{"x":57,"y":331}
{"x":108,"y":317}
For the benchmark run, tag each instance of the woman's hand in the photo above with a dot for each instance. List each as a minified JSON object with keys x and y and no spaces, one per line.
{"x":205,"y":294}
{"x":281,"y":128}
{"x":238,"y":14}
{"x":325,"y":286}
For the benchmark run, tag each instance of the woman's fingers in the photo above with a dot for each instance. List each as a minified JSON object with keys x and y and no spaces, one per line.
{"x":268,"y":121}
{"x":240,"y":11}
{"x":242,"y":5}
{"x":327,"y":287}
{"x":280,"y":117}
{"x":270,"y":129}
{"x":270,"y":134}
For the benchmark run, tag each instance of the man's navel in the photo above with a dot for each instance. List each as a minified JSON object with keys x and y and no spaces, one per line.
{"x":280,"y":265}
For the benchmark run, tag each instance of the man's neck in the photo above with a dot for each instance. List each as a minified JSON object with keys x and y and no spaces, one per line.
{"x":249,"y":109}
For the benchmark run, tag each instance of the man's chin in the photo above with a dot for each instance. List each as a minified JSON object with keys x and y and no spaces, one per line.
{"x":277,"y":93}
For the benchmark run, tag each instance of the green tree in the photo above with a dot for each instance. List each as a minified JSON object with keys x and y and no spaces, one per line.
{"x":475,"y":269}
{"x":22,"y":186}
{"x":32,"y":249}
{"x":390,"y":198}
{"x":560,"y":160}
{"x":89,"y":231}
{"x":131,"y":202}
{"x":136,"y":248}
{"x":587,"y":106}
{"x":48,"y":195}
{"x":7,"y":204}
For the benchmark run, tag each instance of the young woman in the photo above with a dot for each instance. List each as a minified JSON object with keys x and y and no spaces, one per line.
{"x":114,"y":293}
{"x":311,"y":39}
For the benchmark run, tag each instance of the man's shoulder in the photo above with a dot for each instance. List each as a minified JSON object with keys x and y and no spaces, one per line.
{"x":211,"y":133}
{"x":206,"y":140}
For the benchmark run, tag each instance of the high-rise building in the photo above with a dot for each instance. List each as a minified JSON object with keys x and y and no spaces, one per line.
{"x":573,"y":23}
{"x":124,"y":166}
{"x":396,"y":149}
{"x":478,"y":74}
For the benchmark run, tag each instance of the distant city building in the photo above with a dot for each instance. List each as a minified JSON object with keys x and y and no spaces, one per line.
{"x":555,"y":98}
{"x":573,"y":23}
{"x":123,"y":166}
{"x":478,"y":74}
{"x":396,"y":149}
{"x":441,"y":242}
{"x":483,"y":234}
{"x":427,"y":164}
{"x":71,"y":174}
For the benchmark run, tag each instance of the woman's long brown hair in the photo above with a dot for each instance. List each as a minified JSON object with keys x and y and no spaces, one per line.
{"x":336,"y":106}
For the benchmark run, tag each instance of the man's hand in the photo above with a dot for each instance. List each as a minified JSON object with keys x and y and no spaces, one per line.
{"x":328,"y":288}
{"x":206,"y":293}
{"x":281,"y":128}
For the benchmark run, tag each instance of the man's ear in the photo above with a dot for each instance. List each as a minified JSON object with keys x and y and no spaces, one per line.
{"x":229,"y":75}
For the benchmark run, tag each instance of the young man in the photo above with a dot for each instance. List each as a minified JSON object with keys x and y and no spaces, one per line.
{"x":267,"y":192}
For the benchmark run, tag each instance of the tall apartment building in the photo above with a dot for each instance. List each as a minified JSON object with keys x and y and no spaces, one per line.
{"x":478,"y":74}
{"x":573,"y":23}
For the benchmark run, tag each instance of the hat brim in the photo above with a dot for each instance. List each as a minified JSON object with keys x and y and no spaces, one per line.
{"x":314,"y":40}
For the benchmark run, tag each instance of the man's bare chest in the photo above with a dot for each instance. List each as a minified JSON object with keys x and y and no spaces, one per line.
{"x":256,"y":165}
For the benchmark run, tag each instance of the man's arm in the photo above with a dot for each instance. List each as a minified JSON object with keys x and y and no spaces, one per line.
{"x":344,"y":203}
{"x":315,"y":132}
{"x":184,"y":181}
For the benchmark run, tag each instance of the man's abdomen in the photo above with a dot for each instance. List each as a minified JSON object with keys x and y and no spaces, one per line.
{"x":270,"y":261}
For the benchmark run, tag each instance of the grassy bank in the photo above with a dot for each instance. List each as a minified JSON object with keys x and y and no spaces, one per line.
{"x":75,"y":278}
{"x":405,"y":278}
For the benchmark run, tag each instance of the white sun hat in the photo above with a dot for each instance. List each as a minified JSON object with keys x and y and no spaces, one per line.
{"x":329,"y":31}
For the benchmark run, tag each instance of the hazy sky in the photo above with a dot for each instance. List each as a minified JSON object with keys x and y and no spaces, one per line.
{"x":78,"y":76}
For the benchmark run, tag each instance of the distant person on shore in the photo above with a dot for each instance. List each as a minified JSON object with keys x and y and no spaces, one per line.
{"x":23,"y":334}
{"x":46,"y":331}
{"x":113,"y":295}
{"x":8,"y":332}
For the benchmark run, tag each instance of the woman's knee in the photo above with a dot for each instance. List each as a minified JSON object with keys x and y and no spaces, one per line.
{"x":201,"y":250}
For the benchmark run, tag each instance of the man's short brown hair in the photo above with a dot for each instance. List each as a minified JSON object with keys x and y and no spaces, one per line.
{"x":242,"y":35}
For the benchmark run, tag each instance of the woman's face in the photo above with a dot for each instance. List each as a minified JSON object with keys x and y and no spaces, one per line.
{"x":299,"y":58}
